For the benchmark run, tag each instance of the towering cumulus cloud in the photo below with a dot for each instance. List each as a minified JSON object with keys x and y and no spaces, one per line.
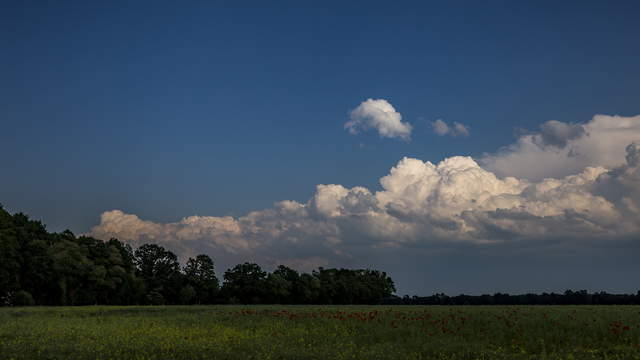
{"x":424,"y":204}
{"x":378,"y":114}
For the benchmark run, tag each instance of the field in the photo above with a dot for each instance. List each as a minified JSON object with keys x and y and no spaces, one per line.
{"x":321,"y":332}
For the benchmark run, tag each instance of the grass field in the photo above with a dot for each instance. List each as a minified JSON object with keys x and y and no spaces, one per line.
{"x":321,"y":332}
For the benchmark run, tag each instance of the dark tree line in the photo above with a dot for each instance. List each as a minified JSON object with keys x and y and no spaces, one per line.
{"x":569,"y":297}
{"x":42,"y":268}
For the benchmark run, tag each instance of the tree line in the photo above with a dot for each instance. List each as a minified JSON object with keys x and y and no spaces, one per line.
{"x":42,"y":268}
{"x":569,"y":297}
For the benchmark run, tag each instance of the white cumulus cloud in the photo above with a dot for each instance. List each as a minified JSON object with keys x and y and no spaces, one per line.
{"x":380,"y":115}
{"x":560,"y":149}
{"x":425,"y":204}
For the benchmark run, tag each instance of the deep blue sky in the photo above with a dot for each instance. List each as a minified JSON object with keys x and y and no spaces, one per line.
{"x":169,"y":109}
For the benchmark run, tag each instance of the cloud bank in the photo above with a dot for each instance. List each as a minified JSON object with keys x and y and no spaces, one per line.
{"x":560,"y":149}
{"x":434,"y":205}
{"x":441,"y":128}
{"x":380,"y":115}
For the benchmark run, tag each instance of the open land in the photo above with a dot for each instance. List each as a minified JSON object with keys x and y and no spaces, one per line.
{"x":321,"y":332}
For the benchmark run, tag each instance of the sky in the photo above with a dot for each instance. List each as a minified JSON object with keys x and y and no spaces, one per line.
{"x":462,"y":147}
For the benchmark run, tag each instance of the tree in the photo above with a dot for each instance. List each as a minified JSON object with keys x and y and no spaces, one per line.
{"x":159,"y":269}
{"x":201,"y":276}
{"x":72,"y":266}
{"x":345,"y":286}
{"x":278,"y":289}
{"x":22,"y":298}
{"x":287,"y":273}
{"x":284,"y":285}
{"x":131,"y":288}
{"x":187,"y":295}
{"x":36,"y":274}
{"x":379,"y":286}
{"x":9,"y":258}
{"x":308,"y":290}
{"x":246,"y":282}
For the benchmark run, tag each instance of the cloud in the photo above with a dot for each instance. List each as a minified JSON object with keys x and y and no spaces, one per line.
{"x":561,"y":149}
{"x":222,"y":233}
{"x":460,"y":129}
{"x":380,"y":115}
{"x":622,"y":185}
{"x":442,"y":128}
{"x":427,"y":205}
{"x":557,"y":133}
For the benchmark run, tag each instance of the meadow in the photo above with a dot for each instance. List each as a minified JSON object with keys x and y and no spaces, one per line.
{"x":321,"y":332}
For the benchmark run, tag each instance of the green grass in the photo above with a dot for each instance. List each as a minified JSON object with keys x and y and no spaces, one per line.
{"x":321,"y":332}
